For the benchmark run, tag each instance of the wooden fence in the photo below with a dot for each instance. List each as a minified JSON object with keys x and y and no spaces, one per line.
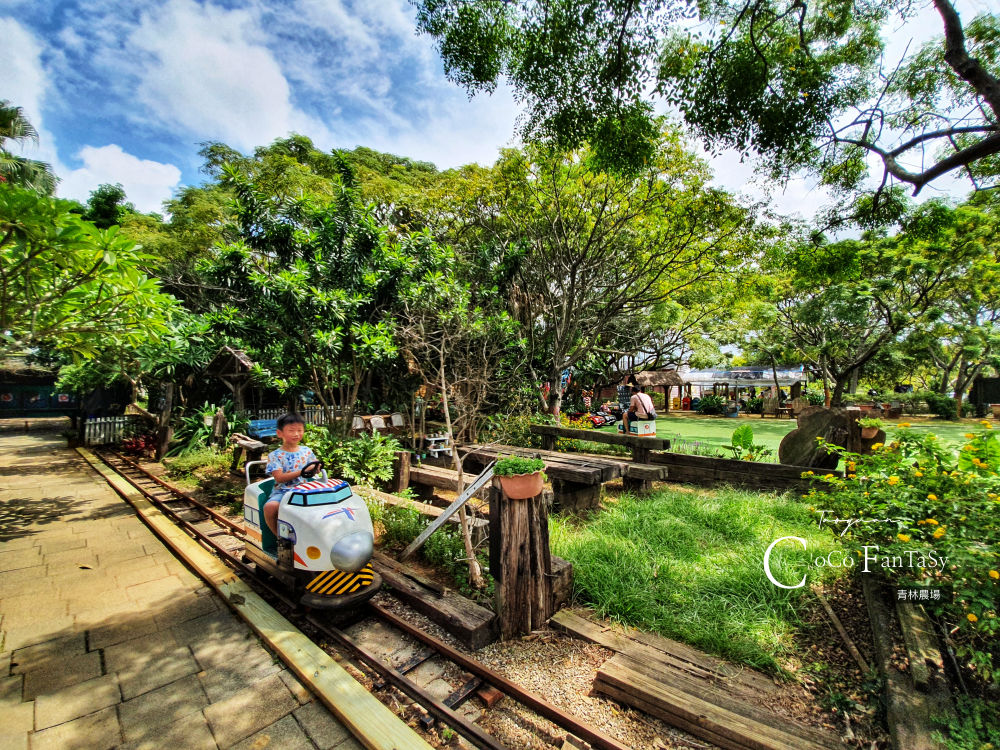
{"x":107,"y":430}
{"x":312,"y":414}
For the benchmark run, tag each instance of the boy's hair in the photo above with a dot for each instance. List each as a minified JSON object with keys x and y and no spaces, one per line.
{"x":635,"y":389}
{"x":291,"y":418}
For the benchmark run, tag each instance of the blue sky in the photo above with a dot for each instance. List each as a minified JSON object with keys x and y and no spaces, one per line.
{"x":124,"y":92}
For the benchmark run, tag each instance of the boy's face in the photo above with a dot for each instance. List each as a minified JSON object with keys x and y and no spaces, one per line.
{"x":292,"y":434}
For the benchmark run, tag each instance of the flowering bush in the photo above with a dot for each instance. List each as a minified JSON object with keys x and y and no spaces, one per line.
{"x":940,"y":511}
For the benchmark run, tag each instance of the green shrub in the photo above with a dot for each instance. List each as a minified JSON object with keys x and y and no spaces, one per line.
{"x":815,"y":398}
{"x":943,"y":504}
{"x":512,"y":429}
{"x":870,"y":422}
{"x":743,"y":447}
{"x":367,"y":459}
{"x":712,"y":404}
{"x":514,"y":465}
{"x":944,"y":407}
{"x":192,"y":461}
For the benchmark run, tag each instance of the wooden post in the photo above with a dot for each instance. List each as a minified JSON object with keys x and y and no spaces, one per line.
{"x":853,"y":430}
{"x":400,"y":471}
{"x":524,"y":587}
{"x":163,"y":436}
{"x":548,"y":443}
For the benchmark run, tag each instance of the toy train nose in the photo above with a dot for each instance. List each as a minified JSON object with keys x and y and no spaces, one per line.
{"x":353,"y":552}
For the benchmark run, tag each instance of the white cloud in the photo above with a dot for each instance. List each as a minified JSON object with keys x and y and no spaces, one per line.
{"x":147,"y":183}
{"x":25,"y":83}
{"x":206,"y":71}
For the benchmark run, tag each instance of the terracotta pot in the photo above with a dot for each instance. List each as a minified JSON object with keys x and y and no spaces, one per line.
{"x":522,"y":486}
{"x":869,"y":432}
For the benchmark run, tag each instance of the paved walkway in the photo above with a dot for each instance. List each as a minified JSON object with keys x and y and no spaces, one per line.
{"x":108,"y":641}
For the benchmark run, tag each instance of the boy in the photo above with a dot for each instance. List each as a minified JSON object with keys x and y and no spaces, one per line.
{"x":286,"y":464}
{"x":640,"y":408}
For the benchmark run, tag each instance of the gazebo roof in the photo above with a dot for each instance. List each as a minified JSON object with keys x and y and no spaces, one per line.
{"x":659,"y":378}
{"x":229,"y":362}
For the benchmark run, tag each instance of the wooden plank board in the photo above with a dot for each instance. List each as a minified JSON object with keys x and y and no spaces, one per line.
{"x":785,"y":471}
{"x":596,"y":436}
{"x":676,"y":655}
{"x":371,"y":722}
{"x":582,"y":472}
{"x":467,"y":621}
{"x":700,"y":714}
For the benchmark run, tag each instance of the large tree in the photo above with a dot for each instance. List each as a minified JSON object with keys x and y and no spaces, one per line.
{"x":803,"y":85}
{"x":594,"y":251}
{"x":66,"y":285}
{"x":839,"y":305}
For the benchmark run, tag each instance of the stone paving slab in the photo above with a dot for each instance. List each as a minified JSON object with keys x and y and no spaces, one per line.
{"x":108,"y":641}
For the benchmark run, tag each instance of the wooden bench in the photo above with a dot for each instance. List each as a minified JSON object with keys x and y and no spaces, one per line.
{"x":640,"y":446}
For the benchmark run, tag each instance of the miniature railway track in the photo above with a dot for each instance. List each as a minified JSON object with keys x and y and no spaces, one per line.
{"x":226,"y":539}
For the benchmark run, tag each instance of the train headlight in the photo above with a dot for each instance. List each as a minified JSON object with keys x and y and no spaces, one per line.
{"x":286,"y":531}
{"x":352,"y":552}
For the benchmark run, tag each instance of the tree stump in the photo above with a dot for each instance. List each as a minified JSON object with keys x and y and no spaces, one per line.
{"x":400,"y":472}
{"x":521,"y":564}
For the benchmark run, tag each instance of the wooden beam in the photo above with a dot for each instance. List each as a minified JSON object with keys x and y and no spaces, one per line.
{"x":467,"y":621}
{"x":371,"y":722}
{"x":596,"y":436}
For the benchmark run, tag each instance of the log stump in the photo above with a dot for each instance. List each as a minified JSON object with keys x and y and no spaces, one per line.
{"x":521,"y":563}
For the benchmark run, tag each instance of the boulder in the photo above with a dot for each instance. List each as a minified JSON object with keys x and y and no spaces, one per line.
{"x":799,"y":447}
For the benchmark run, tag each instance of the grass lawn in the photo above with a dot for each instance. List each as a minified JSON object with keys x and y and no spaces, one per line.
{"x":716,"y":432}
{"x":688,"y":564}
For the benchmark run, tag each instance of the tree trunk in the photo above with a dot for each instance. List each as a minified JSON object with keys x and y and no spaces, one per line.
{"x":838,"y":390}
{"x":855,"y":376}
{"x":826,"y":383}
{"x":163,"y":435}
{"x":475,"y":572}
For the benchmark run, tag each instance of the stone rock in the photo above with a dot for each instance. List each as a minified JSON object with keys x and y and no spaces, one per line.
{"x":799,"y":447}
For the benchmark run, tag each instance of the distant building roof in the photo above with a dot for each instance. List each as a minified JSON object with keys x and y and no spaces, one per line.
{"x":758,"y":376}
{"x":229,"y":362}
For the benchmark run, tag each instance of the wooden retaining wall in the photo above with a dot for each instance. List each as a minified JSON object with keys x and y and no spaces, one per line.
{"x":706,"y":470}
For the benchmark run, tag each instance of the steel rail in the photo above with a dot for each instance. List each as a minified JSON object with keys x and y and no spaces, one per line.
{"x":436,"y":708}
{"x":218,"y":517}
{"x":459,"y":723}
{"x":556,"y":715}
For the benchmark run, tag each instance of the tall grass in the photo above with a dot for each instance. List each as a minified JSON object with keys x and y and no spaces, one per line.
{"x":689,"y":565}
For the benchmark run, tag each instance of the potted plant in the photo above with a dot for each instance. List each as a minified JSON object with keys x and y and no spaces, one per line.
{"x":870,"y":427}
{"x":520,"y":478}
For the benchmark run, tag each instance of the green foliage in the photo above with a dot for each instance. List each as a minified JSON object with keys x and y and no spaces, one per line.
{"x":17,"y":170}
{"x":70,"y":286}
{"x":107,"y":206}
{"x":187,"y":463}
{"x":513,"y":429}
{"x":192,"y":434}
{"x":711,"y":404}
{"x":934,"y":507}
{"x":941,"y":406}
{"x":367,"y":459}
{"x":870,"y":422}
{"x":514,"y":465}
{"x":687,"y":565}
{"x":976,"y":727}
{"x":743,"y":447}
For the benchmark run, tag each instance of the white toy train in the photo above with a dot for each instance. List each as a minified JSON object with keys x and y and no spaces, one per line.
{"x":324,"y":545}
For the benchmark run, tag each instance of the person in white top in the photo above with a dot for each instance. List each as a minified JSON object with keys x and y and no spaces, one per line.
{"x":640,"y":407}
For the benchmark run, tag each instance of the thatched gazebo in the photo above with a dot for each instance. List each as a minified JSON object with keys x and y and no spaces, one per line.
{"x":232,"y":367}
{"x":666,"y":380}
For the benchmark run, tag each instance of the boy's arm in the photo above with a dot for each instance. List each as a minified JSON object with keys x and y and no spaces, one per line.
{"x":281,"y":476}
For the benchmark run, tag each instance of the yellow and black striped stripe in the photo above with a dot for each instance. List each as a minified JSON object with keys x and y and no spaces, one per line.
{"x":338,"y":582}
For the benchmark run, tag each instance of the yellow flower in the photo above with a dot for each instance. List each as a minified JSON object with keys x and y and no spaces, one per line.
{"x":992,"y":495}
{"x":866,"y":494}
{"x":939,"y":533}
{"x":994,"y":575}
{"x":931,"y":521}
{"x":970,"y":436}
{"x":809,"y":473}
{"x":986,"y":424}
{"x":893,"y":481}
{"x":918,"y":473}
{"x":876,"y":446}
{"x":903,"y":537}
{"x":962,"y":518}
{"x":852,"y":476}
{"x":954,"y":473}
{"x":851,"y":466}
{"x":932,"y":497}
{"x":972,"y":618}
{"x":828,"y":476}
{"x":903,"y":424}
